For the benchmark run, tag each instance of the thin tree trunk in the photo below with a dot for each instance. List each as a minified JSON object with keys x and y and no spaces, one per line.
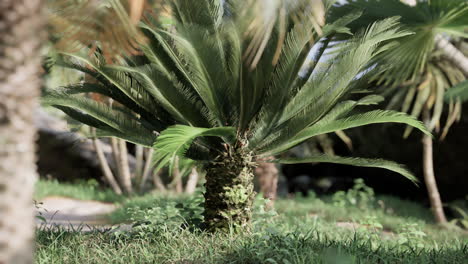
{"x":179,"y":188}
{"x":158,"y":183}
{"x":123,"y":166}
{"x":429,"y":176}
{"x":139,"y":162}
{"x":452,"y":53}
{"x":115,"y":154}
{"x":22,"y":31}
{"x":146,"y":169}
{"x":229,"y":192}
{"x":192,"y":181}
{"x":267,"y":175}
{"x":105,"y":166}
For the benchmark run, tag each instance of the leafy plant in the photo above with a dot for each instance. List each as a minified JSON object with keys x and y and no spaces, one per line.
{"x":191,"y":95}
{"x":411,"y":234}
{"x":361,"y":196}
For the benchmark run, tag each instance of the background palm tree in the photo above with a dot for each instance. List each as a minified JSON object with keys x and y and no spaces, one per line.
{"x":191,"y":95}
{"x":22,"y":28}
{"x":416,"y":73}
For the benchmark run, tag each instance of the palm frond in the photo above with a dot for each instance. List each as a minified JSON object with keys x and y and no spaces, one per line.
{"x":176,"y":140}
{"x":111,"y":24}
{"x":361,"y":162}
{"x":459,"y":91}
{"x":330,"y":124}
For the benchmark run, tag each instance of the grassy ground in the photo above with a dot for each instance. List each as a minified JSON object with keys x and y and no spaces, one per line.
{"x":351,"y":227}
{"x":80,"y":190}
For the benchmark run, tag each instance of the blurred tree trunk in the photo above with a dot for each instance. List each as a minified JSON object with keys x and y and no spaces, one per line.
{"x":452,"y":53}
{"x":267,"y":175}
{"x":192,"y":181}
{"x":429,"y":175}
{"x":22,"y":30}
{"x":179,"y":188}
{"x":158,"y":183}
{"x":139,"y":155}
{"x":106,"y":171}
{"x":123,"y":166}
{"x":57,"y":142}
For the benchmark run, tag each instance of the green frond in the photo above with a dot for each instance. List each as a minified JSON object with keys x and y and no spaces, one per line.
{"x":176,"y":140}
{"x":459,"y":91}
{"x":99,"y":115}
{"x":331,"y":124}
{"x":361,"y":162}
{"x":428,"y":18}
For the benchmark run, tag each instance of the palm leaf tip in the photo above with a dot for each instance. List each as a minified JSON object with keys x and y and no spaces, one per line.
{"x":176,"y":140}
{"x":353,"y":161}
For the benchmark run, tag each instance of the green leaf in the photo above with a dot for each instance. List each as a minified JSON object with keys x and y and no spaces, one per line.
{"x":176,"y":140}
{"x":360,"y":162}
{"x":459,"y":91}
{"x":327,"y":125}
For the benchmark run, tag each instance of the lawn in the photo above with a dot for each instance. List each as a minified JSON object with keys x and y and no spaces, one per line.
{"x":348,"y":227}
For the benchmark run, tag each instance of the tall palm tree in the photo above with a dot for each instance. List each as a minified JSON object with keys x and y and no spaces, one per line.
{"x":417,"y":73}
{"x":21,"y":33}
{"x":191,"y":95}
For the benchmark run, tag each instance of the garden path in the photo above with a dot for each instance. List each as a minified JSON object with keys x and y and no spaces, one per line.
{"x":72,"y":214}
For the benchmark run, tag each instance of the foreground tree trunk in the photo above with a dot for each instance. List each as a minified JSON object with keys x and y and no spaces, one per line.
{"x":229,"y":192}
{"x":21,"y":34}
{"x":267,"y":175}
{"x":429,"y":176}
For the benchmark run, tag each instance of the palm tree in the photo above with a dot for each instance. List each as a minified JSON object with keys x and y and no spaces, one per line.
{"x":417,"y":73}
{"x":21,"y":34}
{"x":191,"y":95}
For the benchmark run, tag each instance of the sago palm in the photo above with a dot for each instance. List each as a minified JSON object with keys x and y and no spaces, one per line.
{"x":192,"y":95}
{"x":417,"y":73}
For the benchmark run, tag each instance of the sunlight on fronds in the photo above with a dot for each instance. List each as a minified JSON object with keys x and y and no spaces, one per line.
{"x":270,"y":13}
{"x":109,"y":25}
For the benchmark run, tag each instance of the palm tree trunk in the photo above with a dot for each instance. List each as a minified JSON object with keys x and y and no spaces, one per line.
{"x":192,"y":181}
{"x":267,"y":175}
{"x":452,"y":53}
{"x":123,"y":166}
{"x":429,"y":176}
{"x":229,"y":192}
{"x":105,"y":166}
{"x":22,"y":31}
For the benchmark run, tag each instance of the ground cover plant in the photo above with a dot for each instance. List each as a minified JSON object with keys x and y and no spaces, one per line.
{"x":356,"y":228}
{"x":190,"y":94}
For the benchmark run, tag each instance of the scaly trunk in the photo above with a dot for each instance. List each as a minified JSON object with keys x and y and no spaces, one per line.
{"x":21,"y":34}
{"x":192,"y":181}
{"x":267,"y":176}
{"x":429,"y":177}
{"x":229,"y":192}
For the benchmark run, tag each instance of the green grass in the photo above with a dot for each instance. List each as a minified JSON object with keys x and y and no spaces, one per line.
{"x":80,"y":190}
{"x":301,"y":230}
